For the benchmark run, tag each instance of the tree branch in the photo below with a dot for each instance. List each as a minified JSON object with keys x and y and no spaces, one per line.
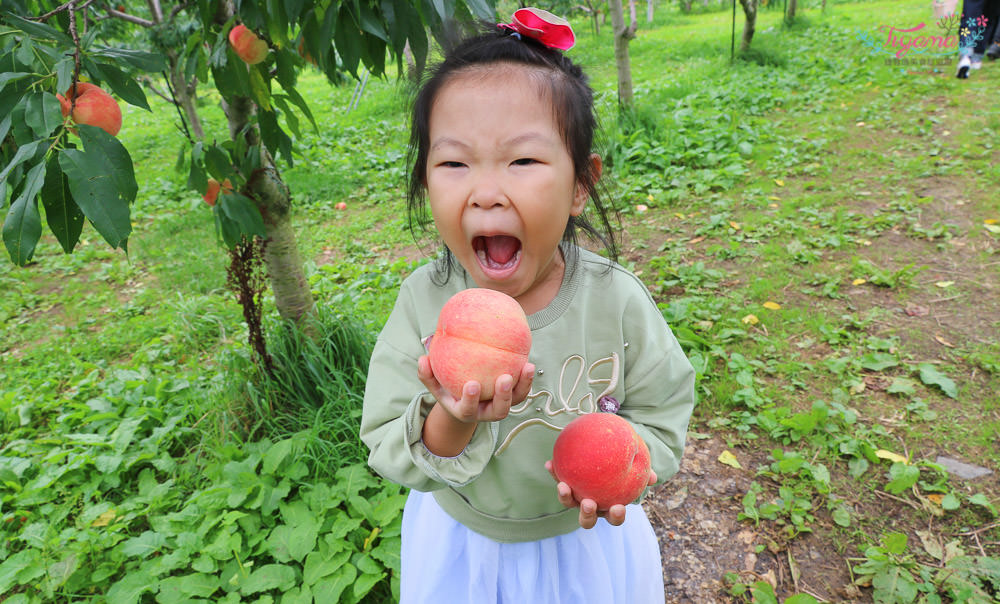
{"x":130,"y":18}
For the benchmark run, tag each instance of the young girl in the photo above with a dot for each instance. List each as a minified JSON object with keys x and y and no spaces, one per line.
{"x":501,"y":151}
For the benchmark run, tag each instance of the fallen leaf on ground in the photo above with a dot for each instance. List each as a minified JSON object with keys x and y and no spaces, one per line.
{"x":895,"y":457}
{"x":779,"y":182}
{"x":697,"y":239}
{"x":859,"y":282}
{"x":944,"y":342}
{"x":944,"y":284}
{"x":751,"y":320}
{"x":730,"y":460}
{"x":735,"y":225}
{"x":916,"y":310}
{"x":772,"y":306}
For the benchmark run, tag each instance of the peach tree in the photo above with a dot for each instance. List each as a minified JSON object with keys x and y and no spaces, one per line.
{"x":60,"y":161}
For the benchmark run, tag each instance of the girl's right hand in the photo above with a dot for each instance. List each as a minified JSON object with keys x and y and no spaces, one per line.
{"x":469,"y":409}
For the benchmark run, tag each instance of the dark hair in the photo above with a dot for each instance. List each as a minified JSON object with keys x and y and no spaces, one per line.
{"x":573,"y":104}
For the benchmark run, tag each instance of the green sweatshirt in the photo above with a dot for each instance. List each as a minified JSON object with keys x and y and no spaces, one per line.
{"x":602,"y":335}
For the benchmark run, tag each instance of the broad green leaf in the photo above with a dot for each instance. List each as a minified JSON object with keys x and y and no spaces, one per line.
{"x":22,"y":227}
{"x":365,"y":583}
{"x":143,"y":545}
{"x":330,"y":588}
{"x":801,"y":599}
{"x":276,"y":454}
{"x":12,"y":76}
{"x":259,"y":89}
{"x":270,"y":576}
{"x":877,"y":361}
{"x":97,"y":195}
{"x":217,"y":162}
{"x":42,"y":113}
{"x":318,"y":565}
{"x":242,"y":210}
{"x":125,"y":86}
{"x":38,"y":29}
{"x":901,"y":385}
{"x":950,"y":502}
{"x":130,"y":588}
{"x":24,"y":153}
{"x":841,"y":516}
{"x":183,"y":588}
{"x":140,"y":59}
{"x":482,"y":10}
{"x":894,"y":584}
{"x":21,"y":568}
{"x":63,"y":216}
{"x":930,"y":375}
{"x":119,"y":162}
{"x":903,"y":477}
{"x":895,"y":542}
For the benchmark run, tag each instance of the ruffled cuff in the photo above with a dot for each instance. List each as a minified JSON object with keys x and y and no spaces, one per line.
{"x":453,"y":471}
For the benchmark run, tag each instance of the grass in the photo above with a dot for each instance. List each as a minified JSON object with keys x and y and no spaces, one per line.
{"x":839,"y":201}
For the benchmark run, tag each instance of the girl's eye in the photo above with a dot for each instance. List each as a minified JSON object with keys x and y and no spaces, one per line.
{"x":524,"y":161}
{"x":452,"y":164}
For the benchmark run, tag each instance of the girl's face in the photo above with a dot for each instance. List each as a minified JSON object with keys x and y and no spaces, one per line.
{"x":501,"y":183}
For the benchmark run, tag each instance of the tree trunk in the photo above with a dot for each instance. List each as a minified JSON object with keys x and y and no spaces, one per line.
{"x":750,"y":25}
{"x":790,"y":15}
{"x":649,"y":11}
{"x":622,"y":36}
{"x":185,"y":94}
{"x":292,"y":295}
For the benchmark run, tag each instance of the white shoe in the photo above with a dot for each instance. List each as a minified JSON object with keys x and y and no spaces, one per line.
{"x":975,"y":65}
{"x":964,"y":65}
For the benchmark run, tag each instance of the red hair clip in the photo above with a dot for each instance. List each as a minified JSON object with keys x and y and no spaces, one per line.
{"x":541,"y":25}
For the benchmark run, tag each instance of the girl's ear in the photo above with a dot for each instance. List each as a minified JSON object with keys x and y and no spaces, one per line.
{"x":582,"y":190}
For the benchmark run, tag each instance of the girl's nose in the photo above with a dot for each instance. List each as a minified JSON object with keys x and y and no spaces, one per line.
{"x":487,"y":192}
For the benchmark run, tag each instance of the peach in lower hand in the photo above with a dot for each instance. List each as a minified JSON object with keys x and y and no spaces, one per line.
{"x":601,"y":457}
{"x":93,"y":107}
{"x":481,"y":334}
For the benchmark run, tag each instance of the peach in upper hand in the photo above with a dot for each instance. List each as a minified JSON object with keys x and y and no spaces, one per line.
{"x":247,"y":45}
{"x":93,"y":107}
{"x":601,"y":457}
{"x":481,"y":334}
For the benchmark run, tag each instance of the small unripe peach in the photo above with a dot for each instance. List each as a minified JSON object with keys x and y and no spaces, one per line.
{"x":247,"y":45}
{"x":93,"y":107}
{"x":601,"y":457}
{"x":481,"y":334}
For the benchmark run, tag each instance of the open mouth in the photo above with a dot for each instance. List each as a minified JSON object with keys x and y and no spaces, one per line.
{"x":498,"y":255}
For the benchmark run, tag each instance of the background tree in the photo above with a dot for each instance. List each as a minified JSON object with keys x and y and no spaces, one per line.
{"x":80,"y":173}
{"x":623,"y":35}
{"x":750,"y":24}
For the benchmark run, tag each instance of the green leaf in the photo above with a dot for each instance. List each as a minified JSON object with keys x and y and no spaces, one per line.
{"x":903,"y":477}
{"x":950,"y":502}
{"x":270,"y":576}
{"x":259,"y":89}
{"x":42,"y":113}
{"x":242,"y":210}
{"x":330,"y":588}
{"x":801,"y":599}
{"x":37,"y":29}
{"x":24,"y":153}
{"x":63,"y":216}
{"x":97,"y":194}
{"x":23,"y":226}
{"x":930,"y":375}
{"x":183,"y":588}
{"x":140,"y":59}
{"x":901,"y":385}
{"x":276,"y":454}
{"x":841,"y":516}
{"x":130,"y":588}
{"x":124,"y":86}
{"x":12,"y":76}
{"x":894,"y":584}
{"x":144,"y":545}
{"x":877,"y":361}
{"x":217,"y":162}
{"x":318,"y":565}
{"x":22,"y":568}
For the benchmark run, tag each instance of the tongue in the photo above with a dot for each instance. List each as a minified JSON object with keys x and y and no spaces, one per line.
{"x":501,"y":248}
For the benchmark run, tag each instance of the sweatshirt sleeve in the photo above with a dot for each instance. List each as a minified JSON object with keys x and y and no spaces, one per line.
{"x":659,"y":385}
{"x":396,"y":405}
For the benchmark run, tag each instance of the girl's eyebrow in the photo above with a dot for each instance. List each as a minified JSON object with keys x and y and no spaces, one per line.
{"x":527,"y":137}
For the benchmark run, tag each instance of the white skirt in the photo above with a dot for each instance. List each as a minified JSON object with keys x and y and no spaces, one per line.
{"x":443,"y":562}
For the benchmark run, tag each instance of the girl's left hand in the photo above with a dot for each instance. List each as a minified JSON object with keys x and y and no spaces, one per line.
{"x":589,"y":513}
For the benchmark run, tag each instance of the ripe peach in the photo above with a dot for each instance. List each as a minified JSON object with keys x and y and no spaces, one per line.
{"x":341,"y":205}
{"x":94,"y":107}
{"x":481,"y":334}
{"x":247,"y":45}
{"x":212,"y":192}
{"x":601,"y":457}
